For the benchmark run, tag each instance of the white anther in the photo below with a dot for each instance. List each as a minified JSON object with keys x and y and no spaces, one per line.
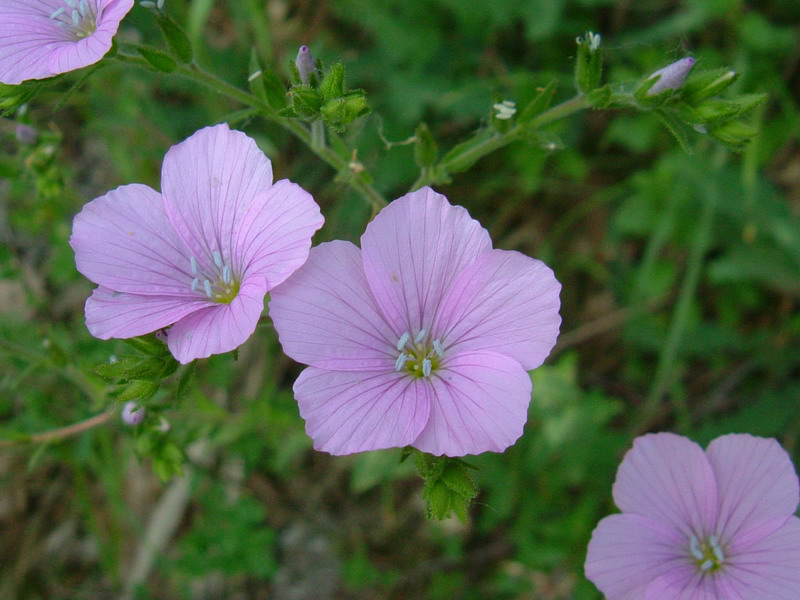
{"x":437,"y":347}
{"x":714,"y":543}
{"x":71,"y":3}
{"x":84,"y":8}
{"x":58,"y":12}
{"x":160,"y":4}
{"x":707,"y":565}
{"x":195,"y":283}
{"x":419,"y":337}
{"x":193,"y":263}
{"x":226,"y":275}
{"x":207,"y":286}
{"x":400,"y":362}
{"x":426,"y":367}
{"x":217,"y":259}
{"x":76,"y":20}
{"x":255,"y":75}
{"x":402,"y":341}
{"x":694,"y":547}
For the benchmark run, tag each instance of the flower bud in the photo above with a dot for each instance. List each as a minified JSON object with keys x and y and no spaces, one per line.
{"x":305,"y":64}
{"x":25,"y":134}
{"x":672,"y":76}
{"x":132,"y":414}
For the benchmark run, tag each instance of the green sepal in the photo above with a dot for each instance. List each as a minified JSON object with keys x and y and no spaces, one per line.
{"x":305,"y":101}
{"x":332,"y":85}
{"x":588,"y":65}
{"x":425,"y":150}
{"x":14,"y":96}
{"x":160,"y":61}
{"x":714,"y":111}
{"x":652,"y":100}
{"x":449,"y":487}
{"x":341,"y":111}
{"x":132,"y":368}
{"x":176,"y":39}
{"x":139,"y":390}
{"x":707,"y":83}
{"x":678,"y":129}
{"x":539,"y":103}
{"x":148,"y":344}
{"x":734,"y":134}
{"x":600,"y":97}
{"x":184,"y":381}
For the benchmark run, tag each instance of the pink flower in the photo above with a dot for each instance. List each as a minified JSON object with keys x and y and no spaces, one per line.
{"x":422,"y":337}
{"x":42,"y":38}
{"x":202,"y":254}
{"x":714,"y":525}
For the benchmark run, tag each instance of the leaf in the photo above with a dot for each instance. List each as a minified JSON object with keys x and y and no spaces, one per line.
{"x":175,"y":37}
{"x":160,"y":61}
{"x":140,"y":391}
{"x":676,"y":127}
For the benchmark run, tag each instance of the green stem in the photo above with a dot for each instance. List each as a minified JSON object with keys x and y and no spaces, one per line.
{"x":495,"y":142}
{"x":680,"y":318}
{"x":194,"y":73}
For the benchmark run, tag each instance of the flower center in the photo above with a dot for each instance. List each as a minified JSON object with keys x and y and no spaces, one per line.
{"x":706,"y":555}
{"x":77,"y":17}
{"x":219,"y":285}
{"x":418,"y":356}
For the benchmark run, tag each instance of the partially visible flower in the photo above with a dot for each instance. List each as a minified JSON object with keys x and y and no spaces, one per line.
{"x":42,"y":38}
{"x":672,"y":76}
{"x":133,"y":414}
{"x":424,"y":336}
{"x":202,"y":254}
{"x":713,"y":525}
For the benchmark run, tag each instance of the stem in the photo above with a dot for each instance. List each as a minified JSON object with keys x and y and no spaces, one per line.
{"x":195,"y":73}
{"x":61,"y":433}
{"x":317,"y":135}
{"x":496,"y":142}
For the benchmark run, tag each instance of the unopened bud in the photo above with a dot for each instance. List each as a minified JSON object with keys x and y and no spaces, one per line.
{"x":161,"y":335}
{"x":163,"y":425}
{"x":672,"y":76}
{"x":305,"y":64}
{"x":26,"y":135}
{"x":133,"y":414}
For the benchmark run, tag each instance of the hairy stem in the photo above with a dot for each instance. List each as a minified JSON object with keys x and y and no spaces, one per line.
{"x":62,"y":433}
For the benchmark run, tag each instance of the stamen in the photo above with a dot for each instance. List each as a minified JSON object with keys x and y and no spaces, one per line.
{"x":426,"y":367}
{"x":217,"y":259}
{"x":58,"y":12}
{"x":714,"y":543}
{"x":207,"y":286}
{"x":437,"y":347}
{"x":75,"y":18}
{"x":84,"y":8}
{"x":195,"y":283}
{"x":419,"y":337}
{"x":71,"y":3}
{"x":226,"y":275}
{"x":707,"y":565}
{"x":694,"y":547}
{"x":400,"y":362}
{"x":402,"y":341}
{"x":193,"y":262}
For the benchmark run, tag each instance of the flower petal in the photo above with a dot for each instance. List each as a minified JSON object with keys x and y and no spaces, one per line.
{"x":326,"y":316}
{"x":505,"y":302}
{"x":347,"y":412}
{"x":479,"y":404}
{"x":123,"y":241}
{"x":276,"y":232}
{"x":221,"y":327}
{"x":111,"y":314}
{"x":89,"y":50}
{"x":770,"y":568}
{"x":757,"y":484}
{"x":413,"y":250}
{"x":209,"y":182}
{"x":668,"y":478}
{"x":687,"y":583}
{"x":627,"y":552}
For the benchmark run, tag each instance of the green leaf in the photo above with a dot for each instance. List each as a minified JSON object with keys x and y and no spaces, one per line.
{"x":734,"y":134}
{"x":265,"y":84}
{"x":160,"y":61}
{"x":176,"y":39}
{"x":706,"y":83}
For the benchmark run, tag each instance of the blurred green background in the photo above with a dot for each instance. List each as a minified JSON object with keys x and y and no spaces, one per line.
{"x":681,"y":277}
